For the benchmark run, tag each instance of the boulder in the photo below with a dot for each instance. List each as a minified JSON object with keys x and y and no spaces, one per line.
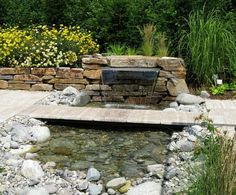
{"x":177,"y":86}
{"x":116,"y":183}
{"x":20,"y":133}
{"x":93,"y":174}
{"x":70,"y":91}
{"x":81,"y":99}
{"x":41,"y":133}
{"x":188,"y":99}
{"x":147,"y":188}
{"x":204,"y":94}
{"x":32,"y":169}
{"x":173,"y":105}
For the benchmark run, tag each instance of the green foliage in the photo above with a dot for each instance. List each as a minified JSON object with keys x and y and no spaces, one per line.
{"x":131,"y":51}
{"x":162,"y":46}
{"x":221,"y":89}
{"x":218,"y":175}
{"x":148,"y":32}
{"x":211,"y":47}
{"x":22,"y":13}
{"x":116,"y":49}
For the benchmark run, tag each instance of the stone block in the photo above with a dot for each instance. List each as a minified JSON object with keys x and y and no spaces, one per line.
{"x":12,"y":71}
{"x":171,"y":64}
{"x":95,"y":81}
{"x":96,"y":98}
{"x":145,"y":89}
{"x":92,"y":93}
{"x":41,"y":87}
{"x":95,"y":87}
{"x":179,"y":74}
{"x":63,"y":86}
{"x":61,"y":71}
{"x":3,"y":84}
{"x":132,"y":61}
{"x":137,"y":100}
{"x":43,"y":71}
{"x":92,"y":74}
{"x":177,"y":86}
{"x":123,"y":93}
{"x":19,"y":86}
{"x":161,"y":88}
{"x":100,"y":60}
{"x":125,"y":87}
{"x":15,"y":82}
{"x":68,"y":81}
{"x":115,"y":98}
{"x":161,"y":81}
{"x":27,"y":77}
{"x":47,"y":78}
{"x":165,"y":74}
{"x":105,"y":88}
{"x":6,"y":77}
{"x":91,"y":66}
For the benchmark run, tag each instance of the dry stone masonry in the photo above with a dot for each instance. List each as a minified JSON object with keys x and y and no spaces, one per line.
{"x":170,"y":82}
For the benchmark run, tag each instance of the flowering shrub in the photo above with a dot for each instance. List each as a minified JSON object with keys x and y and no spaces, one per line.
{"x":41,"y":46}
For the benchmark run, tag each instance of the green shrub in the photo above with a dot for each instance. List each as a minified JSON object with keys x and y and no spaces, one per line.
{"x":43,"y":46}
{"x":221,"y":89}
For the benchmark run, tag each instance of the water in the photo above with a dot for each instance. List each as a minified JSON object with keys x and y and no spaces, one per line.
{"x":124,"y":152}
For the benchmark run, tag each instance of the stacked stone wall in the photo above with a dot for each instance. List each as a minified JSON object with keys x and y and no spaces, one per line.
{"x":170,"y":83}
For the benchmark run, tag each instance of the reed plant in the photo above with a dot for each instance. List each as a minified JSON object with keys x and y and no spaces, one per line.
{"x":218,"y":175}
{"x":210,"y":47}
{"x":162,"y":45}
{"x":148,"y":33}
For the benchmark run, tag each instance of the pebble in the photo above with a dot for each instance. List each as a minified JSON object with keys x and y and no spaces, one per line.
{"x":116,"y":183}
{"x":93,"y":174}
{"x":110,"y":191}
{"x":51,"y":188}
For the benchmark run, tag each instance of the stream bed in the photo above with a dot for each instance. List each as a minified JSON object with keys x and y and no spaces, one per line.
{"x":113,"y":151}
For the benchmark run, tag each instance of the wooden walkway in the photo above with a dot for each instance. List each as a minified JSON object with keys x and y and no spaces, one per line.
{"x":224,"y":117}
{"x":14,"y":101}
{"x":222,"y":112}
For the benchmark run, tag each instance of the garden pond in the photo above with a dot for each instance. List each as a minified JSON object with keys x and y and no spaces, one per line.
{"x":113,"y":151}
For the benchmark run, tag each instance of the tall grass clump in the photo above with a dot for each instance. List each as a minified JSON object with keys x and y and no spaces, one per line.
{"x":218,"y":175}
{"x":148,"y":32}
{"x":162,"y":45}
{"x":210,"y":48}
